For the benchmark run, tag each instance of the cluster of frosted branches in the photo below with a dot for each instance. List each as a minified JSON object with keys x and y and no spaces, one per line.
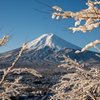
{"x":16,"y":87}
{"x":90,"y":15}
{"x":82,"y":83}
{"x":78,"y":85}
{"x":13,"y":88}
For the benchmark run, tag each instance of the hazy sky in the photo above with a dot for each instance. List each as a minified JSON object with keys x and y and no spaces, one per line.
{"x":20,"y":15}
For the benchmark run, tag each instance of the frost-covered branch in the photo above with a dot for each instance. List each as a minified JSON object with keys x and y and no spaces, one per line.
{"x":4,"y":40}
{"x":5,"y":56}
{"x":97,"y":55}
{"x":31,"y":71}
{"x":89,"y":45}
{"x":90,"y":15}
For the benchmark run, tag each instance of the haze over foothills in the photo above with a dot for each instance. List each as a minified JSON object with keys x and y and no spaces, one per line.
{"x":20,"y":15}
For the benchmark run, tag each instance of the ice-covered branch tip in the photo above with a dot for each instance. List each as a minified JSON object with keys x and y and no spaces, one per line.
{"x":90,"y":15}
{"x":89,"y":45}
{"x":57,"y":8}
{"x":5,"y":56}
{"x":4,"y":40}
{"x":97,"y":55}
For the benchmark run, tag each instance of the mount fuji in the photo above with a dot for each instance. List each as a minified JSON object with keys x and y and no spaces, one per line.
{"x":52,"y":41}
{"x":48,"y":50}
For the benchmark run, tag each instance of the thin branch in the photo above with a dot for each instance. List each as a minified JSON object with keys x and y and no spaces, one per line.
{"x":10,"y":31}
{"x":1,"y":28}
{"x":43,"y":4}
{"x":94,"y":97}
{"x":41,"y":11}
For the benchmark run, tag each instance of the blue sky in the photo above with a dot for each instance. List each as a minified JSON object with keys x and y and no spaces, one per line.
{"x":20,"y":15}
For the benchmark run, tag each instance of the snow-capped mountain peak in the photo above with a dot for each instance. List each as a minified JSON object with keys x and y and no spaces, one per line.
{"x":51,"y":41}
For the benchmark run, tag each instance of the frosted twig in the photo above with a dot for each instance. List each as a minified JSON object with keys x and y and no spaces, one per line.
{"x":89,"y":45}
{"x":13,"y":64}
{"x":97,"y":55}
{"x":4,"y":40}
{"x":5,"y":56}
{"x":31,"y":71}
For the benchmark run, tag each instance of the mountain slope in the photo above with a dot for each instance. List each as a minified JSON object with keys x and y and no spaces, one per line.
{"x":52,"y":41}
{"x":46,"y":50}
{"x":40,"y":57}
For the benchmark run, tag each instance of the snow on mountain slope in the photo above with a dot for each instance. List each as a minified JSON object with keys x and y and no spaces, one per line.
{"x":52,"y":41}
